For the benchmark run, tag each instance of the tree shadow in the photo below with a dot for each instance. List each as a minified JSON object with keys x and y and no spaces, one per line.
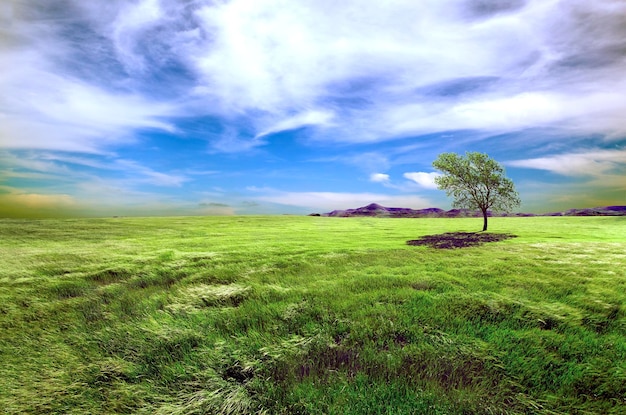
{"x":452,"y":240}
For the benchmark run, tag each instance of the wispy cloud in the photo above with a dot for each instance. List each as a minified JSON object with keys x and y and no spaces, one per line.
{"x":41,"y":110}
{"x":275,"y":55}
{"x":590,"y":163}
{"x":307,"y":118}
{"x":53,"y":100}
{"x":421,"y":67}
{"x":137,"y":172}
{"x":66,"y":167}
{"x":596,"y":177}
{"x":131,"y":24}
{"x":233,"y":142}
{"x":425,"y":180}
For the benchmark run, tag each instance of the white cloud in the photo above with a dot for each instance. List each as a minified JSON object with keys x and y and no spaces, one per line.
{"x":55,"y":99}
{"x":360,"y":72}
{"x":44,"y":110}
{"x":307,"y":118}
{"x":591,"y":163}
{"x":379,"y":178}
{"x":132,"y":20}
{"x":425,"y":180}
{"x":272,"y":55}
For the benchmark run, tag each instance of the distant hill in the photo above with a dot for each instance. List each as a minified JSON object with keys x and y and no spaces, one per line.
{"x":377,"y":210}
{"x":374,"y":209}
{"x":597,"y":211}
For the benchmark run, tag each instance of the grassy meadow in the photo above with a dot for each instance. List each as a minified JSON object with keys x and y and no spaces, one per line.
{"x":311,"y":315}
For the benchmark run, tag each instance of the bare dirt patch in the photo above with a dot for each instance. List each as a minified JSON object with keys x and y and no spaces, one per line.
{"x":452,"y":240}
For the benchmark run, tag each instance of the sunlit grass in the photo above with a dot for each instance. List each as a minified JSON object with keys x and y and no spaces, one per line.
{"x":311,"y":315}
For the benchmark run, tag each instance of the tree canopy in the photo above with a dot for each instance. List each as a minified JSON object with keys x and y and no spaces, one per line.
{"x":476,"y":181}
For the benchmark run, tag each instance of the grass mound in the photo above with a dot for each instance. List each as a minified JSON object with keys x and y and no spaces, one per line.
{"x":450,"y":240}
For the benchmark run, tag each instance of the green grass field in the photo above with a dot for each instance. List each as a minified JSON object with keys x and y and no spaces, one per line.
{"x":311,"y":315}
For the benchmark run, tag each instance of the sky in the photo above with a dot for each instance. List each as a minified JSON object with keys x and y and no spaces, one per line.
{"x":236,"y":107}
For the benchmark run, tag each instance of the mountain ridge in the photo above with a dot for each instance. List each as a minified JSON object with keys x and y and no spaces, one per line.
{"x":376,"y":210}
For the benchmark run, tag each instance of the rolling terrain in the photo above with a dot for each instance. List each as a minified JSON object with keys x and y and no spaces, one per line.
{"x":311,"y":315}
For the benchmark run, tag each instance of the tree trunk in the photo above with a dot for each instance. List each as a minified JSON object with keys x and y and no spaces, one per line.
{"x":484,"y":220}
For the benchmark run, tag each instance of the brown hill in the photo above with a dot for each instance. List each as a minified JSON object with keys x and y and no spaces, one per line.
{"x":377,"y":210}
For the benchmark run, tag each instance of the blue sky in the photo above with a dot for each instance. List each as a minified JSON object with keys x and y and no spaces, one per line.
{"x":192,"y":107}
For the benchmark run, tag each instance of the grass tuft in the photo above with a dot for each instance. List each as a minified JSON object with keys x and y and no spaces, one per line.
{"x":65,"y":289}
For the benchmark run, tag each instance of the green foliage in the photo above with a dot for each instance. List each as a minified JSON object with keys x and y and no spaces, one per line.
{"x":311,"y":315}
{"x":476,"y":181}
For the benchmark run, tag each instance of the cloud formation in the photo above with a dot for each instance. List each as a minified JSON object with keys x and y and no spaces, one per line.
{"x":590,"y":163}
{"x":425,"y":180}
{"x":273,"y":56}
{"x":595,"y":177}
{"x":379,"y":178}
{"x":422,"y":67}
{"x":50,"y":98}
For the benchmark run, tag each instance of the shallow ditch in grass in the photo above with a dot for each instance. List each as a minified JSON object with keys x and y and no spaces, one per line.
{"x":452,"y":240}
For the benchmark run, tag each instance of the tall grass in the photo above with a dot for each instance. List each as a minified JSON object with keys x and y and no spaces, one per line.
{"x":310,"y":315}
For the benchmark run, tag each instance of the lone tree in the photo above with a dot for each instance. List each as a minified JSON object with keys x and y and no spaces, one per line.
{"x":476,"y":181}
